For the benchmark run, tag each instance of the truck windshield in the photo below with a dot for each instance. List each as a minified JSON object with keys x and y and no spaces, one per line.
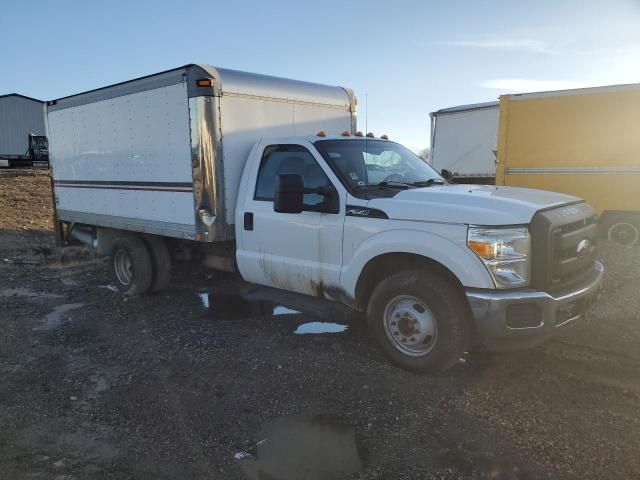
{"x":364,"y":163}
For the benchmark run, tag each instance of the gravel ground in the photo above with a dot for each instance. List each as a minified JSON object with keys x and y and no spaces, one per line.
{"x":95,"y":385}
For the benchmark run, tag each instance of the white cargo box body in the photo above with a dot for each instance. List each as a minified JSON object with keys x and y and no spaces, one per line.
{"x":463,"y":140}
{"x":164,"y":154}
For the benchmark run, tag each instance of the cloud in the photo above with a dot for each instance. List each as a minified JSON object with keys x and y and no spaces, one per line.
{"x":534,"y":46}
{"x":529,"y":85}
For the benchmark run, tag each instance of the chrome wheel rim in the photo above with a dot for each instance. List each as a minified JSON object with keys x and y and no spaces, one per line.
{"x":410,"y":325}
{"x":123,"y":267}
{"x":624,"y":233}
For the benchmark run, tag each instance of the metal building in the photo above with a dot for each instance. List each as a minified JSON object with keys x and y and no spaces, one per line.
{"x":19,"y":117}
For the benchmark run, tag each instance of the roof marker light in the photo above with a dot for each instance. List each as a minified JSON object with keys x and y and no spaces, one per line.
{"x":346,"y":133}
{"x":384,"y":137}
{"x":204,"y":82}
{"x":321,"y":133}
{"x":370,"y":135}
{"x":359,"y":134}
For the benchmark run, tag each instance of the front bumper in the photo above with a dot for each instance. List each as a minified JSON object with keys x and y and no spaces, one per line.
{"x":523,"y":318}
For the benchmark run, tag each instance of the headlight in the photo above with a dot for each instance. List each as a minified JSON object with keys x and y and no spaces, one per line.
{"x":505,"y":251}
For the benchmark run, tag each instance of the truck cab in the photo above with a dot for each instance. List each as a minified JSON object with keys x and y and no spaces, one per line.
{"x":434,"y":266}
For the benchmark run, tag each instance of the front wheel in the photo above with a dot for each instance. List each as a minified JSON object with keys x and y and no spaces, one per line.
{"x":420,"y":320}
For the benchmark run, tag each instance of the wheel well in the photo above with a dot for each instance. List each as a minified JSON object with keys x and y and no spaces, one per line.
{"x":388,"y":264}
{"x":108,"y":236}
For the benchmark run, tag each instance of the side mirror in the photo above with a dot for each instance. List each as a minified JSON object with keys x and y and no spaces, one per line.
{"x":332,"y":201}
{"x":289,"y":193}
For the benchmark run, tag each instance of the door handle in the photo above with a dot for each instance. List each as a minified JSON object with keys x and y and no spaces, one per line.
{"x":248,"y":221}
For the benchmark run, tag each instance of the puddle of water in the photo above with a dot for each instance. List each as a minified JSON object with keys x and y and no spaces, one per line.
{"x":313,"y":448}
{"x":54,"y":318}
{"x":243,"y":455}
{"x":282,"y":310}
{"x":113,"y":288}
{"x":26,"y":293}
{"x":224,"y":306}
{"x":319,"y":327}
{"x":204,"y":298}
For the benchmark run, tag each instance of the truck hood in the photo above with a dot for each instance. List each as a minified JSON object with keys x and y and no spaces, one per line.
{"x":470,"y":204}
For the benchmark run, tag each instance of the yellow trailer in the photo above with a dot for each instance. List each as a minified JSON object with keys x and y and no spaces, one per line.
{"x":584,"y":142}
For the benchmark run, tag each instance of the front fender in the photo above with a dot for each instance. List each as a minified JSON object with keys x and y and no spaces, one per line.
{"x":451,"y":251}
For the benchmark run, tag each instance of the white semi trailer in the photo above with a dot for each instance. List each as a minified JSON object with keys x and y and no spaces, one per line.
{"x":268,"y":177}
{"x":463,"y":142}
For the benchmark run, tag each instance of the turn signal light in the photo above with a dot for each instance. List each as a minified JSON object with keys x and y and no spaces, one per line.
{"x":204,"y":82}
{"x":482,"y":249}
{"x":321,"y":133}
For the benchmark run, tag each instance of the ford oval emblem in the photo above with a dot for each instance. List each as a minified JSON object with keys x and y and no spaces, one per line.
{"x":583,"y":248}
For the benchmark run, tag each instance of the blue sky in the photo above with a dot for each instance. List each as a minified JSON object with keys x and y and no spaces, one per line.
{"x":408,"y":57}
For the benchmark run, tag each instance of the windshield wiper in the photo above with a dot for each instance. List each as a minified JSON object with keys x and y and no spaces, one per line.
{"x":393,"y":183}
{"x":403,"y":185}
{"x":429,"y":182}
{"x":387,"y":184}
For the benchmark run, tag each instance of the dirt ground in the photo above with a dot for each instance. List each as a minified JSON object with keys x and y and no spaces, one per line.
{"x":193,"y":383}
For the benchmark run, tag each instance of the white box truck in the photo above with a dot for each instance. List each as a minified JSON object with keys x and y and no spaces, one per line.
{"x":267,"y":177}
{"x":463,"y":142}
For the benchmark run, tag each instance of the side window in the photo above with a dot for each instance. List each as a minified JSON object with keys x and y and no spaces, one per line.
{"x":278,"y":159}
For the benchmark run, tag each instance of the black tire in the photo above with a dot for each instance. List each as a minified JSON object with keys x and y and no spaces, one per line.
{"x":131,"y":266}
{"x":621,"y":228}
{"x":160,"y":262}
{"x":446,"y":307}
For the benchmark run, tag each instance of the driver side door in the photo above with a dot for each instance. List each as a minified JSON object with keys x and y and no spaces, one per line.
{"x":299,"y":252}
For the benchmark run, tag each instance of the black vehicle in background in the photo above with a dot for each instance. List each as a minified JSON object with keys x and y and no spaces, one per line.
{"x":37,"y":155}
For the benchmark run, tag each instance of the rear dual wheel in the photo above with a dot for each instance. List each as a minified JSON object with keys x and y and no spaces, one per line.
{"x":160,"y":262}
{"x":140,"y":264}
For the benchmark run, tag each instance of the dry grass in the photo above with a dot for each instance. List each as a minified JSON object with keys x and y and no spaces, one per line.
{"x":25,"y":200}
